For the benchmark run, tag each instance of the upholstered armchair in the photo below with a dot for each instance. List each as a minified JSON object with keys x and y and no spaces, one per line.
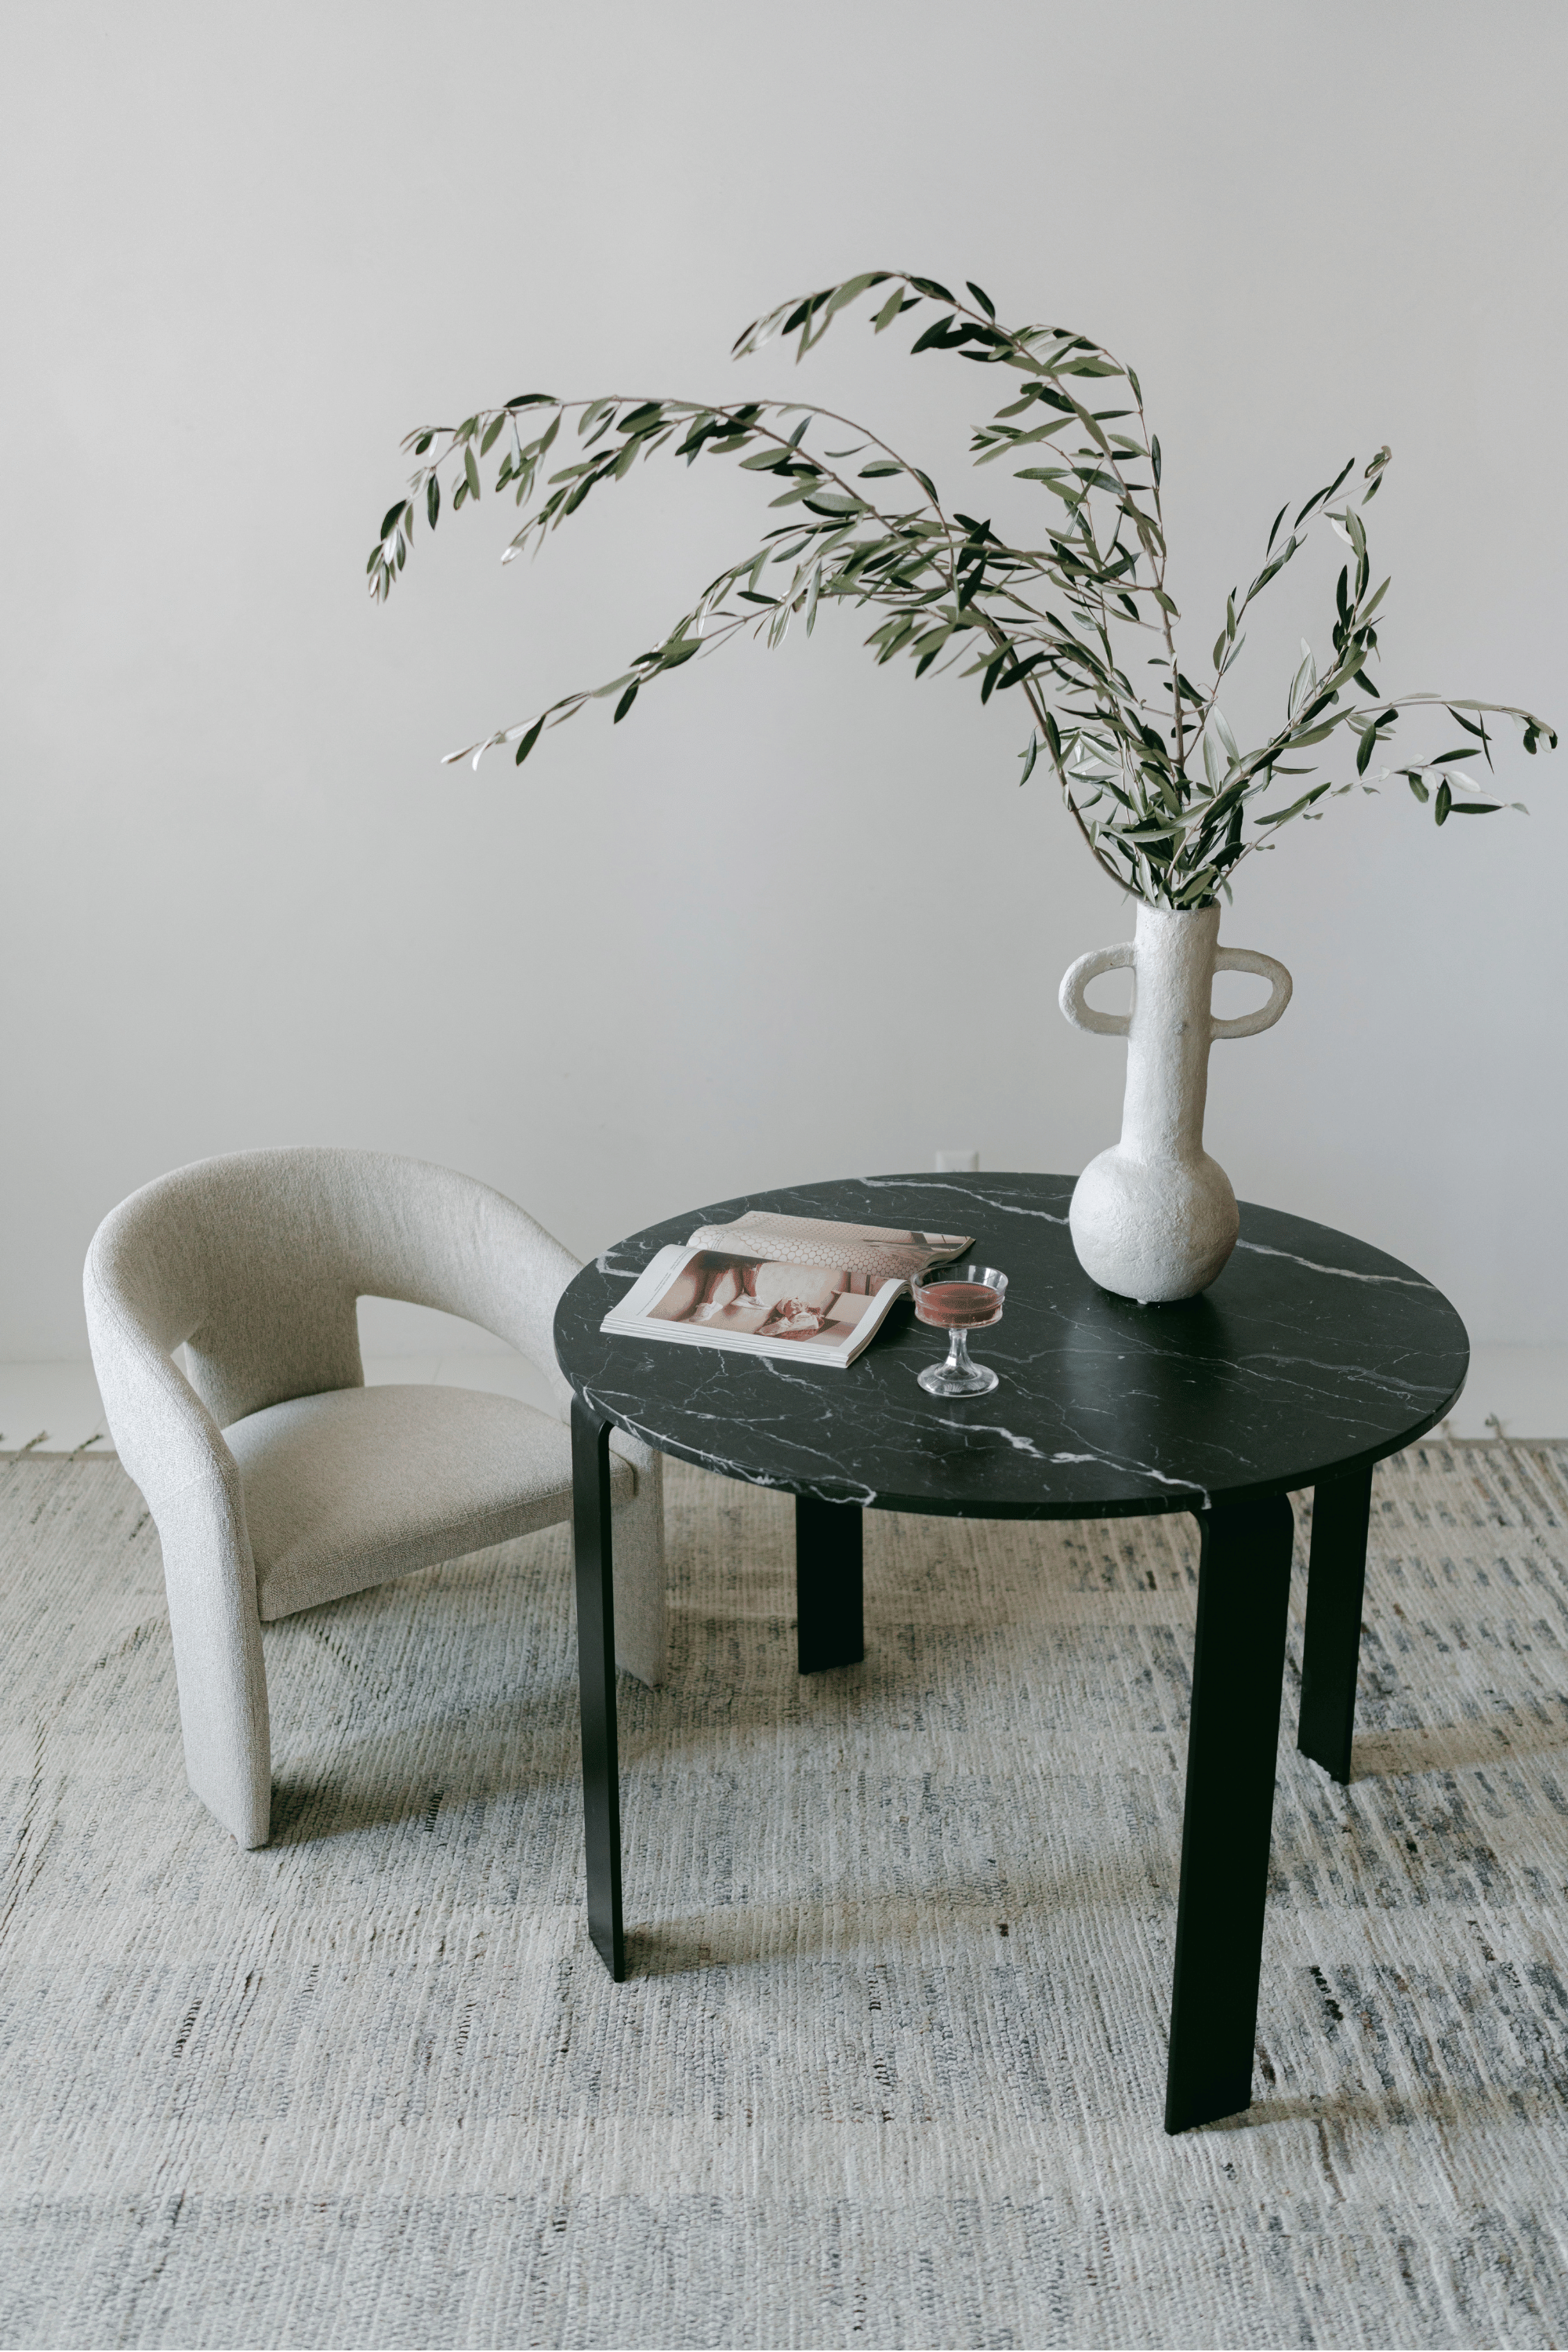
{"x":276,"y":1480}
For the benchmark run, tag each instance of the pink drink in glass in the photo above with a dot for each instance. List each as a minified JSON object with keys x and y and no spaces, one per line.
{"x":959,"y":1300}
{"x":953,"y":1306}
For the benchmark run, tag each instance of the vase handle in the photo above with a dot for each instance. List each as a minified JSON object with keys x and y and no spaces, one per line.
{"x":1075,"y":979}
{"x":1248,"y":1025}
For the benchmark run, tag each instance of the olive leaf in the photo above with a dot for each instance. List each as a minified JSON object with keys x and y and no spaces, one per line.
{"x":1165,"y":796}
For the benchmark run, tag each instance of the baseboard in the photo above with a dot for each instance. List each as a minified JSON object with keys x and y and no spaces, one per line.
{"x":54,"y":1408}
{"x":1513,"y":1392}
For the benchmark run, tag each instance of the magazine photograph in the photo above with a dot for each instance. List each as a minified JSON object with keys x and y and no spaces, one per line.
{"x":769,"y":1300}
{"x":776,"y":1285}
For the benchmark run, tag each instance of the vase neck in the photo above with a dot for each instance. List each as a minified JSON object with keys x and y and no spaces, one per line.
{"x":1169,"y":1036}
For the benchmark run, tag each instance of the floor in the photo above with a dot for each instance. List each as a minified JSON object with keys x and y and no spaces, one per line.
{"x":888,"y":2068}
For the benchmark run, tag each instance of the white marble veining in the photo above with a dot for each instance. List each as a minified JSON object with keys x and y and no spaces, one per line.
{"x":1341,"y":1273}
{"x":991,"y":1204}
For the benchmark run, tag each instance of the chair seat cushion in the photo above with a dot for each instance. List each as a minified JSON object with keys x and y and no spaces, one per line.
{"x":348,"y":1488}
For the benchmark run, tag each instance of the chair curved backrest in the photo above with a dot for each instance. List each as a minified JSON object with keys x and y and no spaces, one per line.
{"x":255,"y":1262}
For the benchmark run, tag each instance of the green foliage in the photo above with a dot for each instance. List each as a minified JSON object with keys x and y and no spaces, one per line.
{"x":1165,"y":795}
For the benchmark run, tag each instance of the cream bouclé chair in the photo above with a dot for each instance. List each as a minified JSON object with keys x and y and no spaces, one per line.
{"x":276,"y":1480}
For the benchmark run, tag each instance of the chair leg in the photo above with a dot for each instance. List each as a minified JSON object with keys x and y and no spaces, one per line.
{"x":1244,"y":1586}
{"x":640,"y":1605}
{"x":597,"y":1683}
{"x":1336,"y":1582}
{"x":829,"y":1584}
{"x":219,"y":1668}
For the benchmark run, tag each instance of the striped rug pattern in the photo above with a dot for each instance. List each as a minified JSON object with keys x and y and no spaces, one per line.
{"x":889,"y":2070}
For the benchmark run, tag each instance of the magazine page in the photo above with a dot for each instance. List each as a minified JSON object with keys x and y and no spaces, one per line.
{"x":824,"y":1242}
{"x":757,"y":1306}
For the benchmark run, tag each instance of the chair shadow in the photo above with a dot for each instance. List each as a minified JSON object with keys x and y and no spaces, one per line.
{"x":408,"y":1771}
{"x":512,"y":1747}
{"x":1453,"y":1747}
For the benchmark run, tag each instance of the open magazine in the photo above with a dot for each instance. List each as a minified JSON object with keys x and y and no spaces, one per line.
{"x":805,"y":1287}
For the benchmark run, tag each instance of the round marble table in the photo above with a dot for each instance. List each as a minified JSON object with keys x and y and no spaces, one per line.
{"x":1311,"y":1358}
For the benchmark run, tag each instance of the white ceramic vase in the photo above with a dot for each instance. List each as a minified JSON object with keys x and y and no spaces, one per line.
{"x":1155,"y":1218}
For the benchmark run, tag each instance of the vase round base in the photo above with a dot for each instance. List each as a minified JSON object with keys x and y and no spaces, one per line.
{"x":1154,"y":1230}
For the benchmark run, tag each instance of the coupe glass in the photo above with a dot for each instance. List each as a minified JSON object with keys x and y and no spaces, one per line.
{"x":959,"y":1300}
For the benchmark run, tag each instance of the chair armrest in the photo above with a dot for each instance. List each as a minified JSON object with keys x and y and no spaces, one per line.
{"x":469,"y":1251}
{"x":164,"y":1434}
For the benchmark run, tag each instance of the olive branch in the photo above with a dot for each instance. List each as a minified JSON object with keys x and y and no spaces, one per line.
{"x":1164,"y":795}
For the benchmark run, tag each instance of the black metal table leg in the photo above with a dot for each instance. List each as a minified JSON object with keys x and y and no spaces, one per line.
{"x":597,"y":1683}
{"x":830,"y":1588}
{"x":1244,"y":1586}
{"x":1336,"y":1580}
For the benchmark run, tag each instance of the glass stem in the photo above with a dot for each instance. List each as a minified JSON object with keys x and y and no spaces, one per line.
{"x":958,"y":1352}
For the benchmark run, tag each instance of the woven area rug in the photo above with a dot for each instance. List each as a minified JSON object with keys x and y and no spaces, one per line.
{"x":890,"y":2068}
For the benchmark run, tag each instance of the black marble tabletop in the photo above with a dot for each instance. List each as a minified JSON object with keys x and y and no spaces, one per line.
{"x":1311,"y":1355}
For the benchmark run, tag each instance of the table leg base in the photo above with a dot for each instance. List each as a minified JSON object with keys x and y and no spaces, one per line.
{"x":1209,"y":2103}
{"x":1238,"y":1664}
{"x":829,"y":1582}
{"x":596,"y":1684}
{"x":611,"y":1948}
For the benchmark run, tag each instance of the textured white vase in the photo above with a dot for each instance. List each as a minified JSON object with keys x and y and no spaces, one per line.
{"x":1154,"y":1217}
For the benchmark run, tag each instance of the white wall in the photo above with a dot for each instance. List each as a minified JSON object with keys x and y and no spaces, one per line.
{"x":247,"y":247}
